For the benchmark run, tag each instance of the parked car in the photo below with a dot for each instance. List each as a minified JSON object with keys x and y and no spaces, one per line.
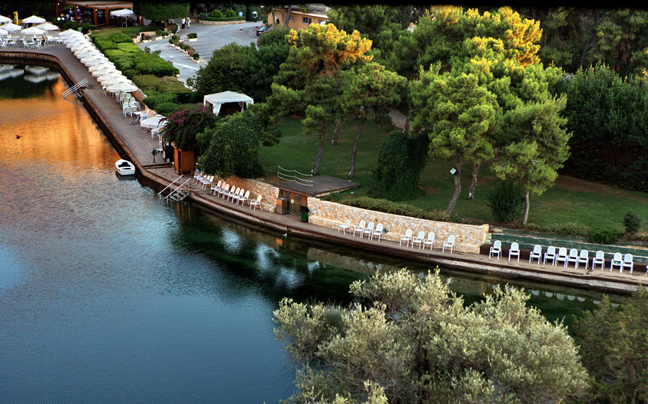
{"x":262,"y":30}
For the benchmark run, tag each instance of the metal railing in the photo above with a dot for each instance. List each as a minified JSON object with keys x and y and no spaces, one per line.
{"x":294,"y":175}
{"x":74,"y":87}
{"x":177,"y":191}
{"x":165,"y":188}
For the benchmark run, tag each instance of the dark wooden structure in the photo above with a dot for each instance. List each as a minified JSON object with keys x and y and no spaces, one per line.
{"x":105,"y":6}
{"x":294,"y":194}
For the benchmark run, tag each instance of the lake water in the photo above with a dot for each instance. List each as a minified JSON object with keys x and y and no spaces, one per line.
{"x":109,"y":294}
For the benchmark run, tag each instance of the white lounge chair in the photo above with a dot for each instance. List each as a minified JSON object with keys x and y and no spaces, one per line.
{"x":449,"y":243}
{"x":627,"y":262}
{"x":514,"y":250}
{"x":617,"y":260}
{"x":256,"y":202}
{"x":583,"y":258}
{"x":599,"y":258}
{"x":378,"y":232}
{"x":562,"y":256}
{"x":495,"y":249}
{"x":420,"y":237}
{"x":536,"y":253}
{"x":572,"y":257}
{"x":550,"y":254}
{"x":407,"y":238}
{"x":429,"y":240}
{"x":360,"y":228}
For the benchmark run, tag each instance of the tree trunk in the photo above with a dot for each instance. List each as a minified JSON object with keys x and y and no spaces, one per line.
{"x":318,"y":159}
{"x":473,"y":184}
{"x":354,"y":150}
{"x":457,"y":184}
{"x":336,"y":132}
{"x":407,"y":121}
{"x":526,"y":207}
{"x":287,"y":15}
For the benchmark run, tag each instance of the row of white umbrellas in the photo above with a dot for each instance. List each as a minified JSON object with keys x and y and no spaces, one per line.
{"x":100,"y":67}
{"x":6,"y":26}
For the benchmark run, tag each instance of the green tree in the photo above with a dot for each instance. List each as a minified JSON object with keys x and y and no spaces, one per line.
{"x":614,"y":347}
{"x":161,"y":11}
{"x":539,"y":148}
{"x":461,"y":117}
{"x":234,"y":147}
{"x":419,"y":343}
{"x":369,"y":19}
{"x":369,"y":91}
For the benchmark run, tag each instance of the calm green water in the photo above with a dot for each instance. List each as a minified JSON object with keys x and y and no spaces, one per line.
{"x":108,"y":294}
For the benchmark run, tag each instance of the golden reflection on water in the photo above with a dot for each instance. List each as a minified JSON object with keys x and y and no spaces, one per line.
{"x":53,"y":129}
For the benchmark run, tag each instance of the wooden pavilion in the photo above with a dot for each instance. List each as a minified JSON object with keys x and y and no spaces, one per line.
{"x":105,"y":6}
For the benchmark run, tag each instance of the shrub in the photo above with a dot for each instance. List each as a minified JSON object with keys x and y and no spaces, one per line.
{"x":119,"y":38}
{"x":165,"y":34}
{"x":567,"y":229}
{"x":216,"y":14}
{"x":129,"y":47}
{"x":196,"y":56}
{"x":506,"y":202}
{"x":631,"y":222}
{"x":192,"y":35}
{"x":230,"y":13}
{"x":604,"y":236}
{"x":167,"y":108}
{"x":158,"y":32}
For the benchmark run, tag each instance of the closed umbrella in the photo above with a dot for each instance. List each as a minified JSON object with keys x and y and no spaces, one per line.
{"x":34,"y":20}
{"x":32,"y":31}
{"x":123,"y":87}
{"x":11,"y":27}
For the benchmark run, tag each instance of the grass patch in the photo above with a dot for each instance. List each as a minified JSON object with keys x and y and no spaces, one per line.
{"x":573,"y":202}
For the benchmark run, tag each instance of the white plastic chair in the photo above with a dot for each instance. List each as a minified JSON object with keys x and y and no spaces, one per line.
{"x":572,"y":257}
{"x":536,"y":253}
{"x":360,"y":228}
{"x":429,"y":240}
{"x":617,"y":260}
{"x":583,"y":257}
{"x":344,"y":227}
{"x":449,"y":243}
{"x":562,"y":256}
{"x":420,"y":237}
{"x":378,"y":232}
{"x":407,"y":238}
{"x":627,"y":262}
{"x":550,"y":254}
{"x":213,"y":190}
{"x":244,"y":198}
{"x":369,"y":230}
{"x":495,"y":249}
{"x":599,"y":258}
{"x":224,"y":191}
{"x":514,"y":250}
{"x":256,"y":202}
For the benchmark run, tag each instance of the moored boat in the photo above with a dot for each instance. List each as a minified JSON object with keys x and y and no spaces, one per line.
{"x":124,"y":167}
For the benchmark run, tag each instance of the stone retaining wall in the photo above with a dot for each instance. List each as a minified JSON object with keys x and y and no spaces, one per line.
{"x":330,"y":214}
{"x":270,"y":192}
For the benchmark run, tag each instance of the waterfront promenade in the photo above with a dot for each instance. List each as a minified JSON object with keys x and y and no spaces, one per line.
{"x":136,"y":145}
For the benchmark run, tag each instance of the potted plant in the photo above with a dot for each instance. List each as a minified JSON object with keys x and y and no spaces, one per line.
{"x":193,"y":37}
{"x":196,"y":57}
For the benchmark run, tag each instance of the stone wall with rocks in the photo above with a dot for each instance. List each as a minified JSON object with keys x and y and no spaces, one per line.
{"x":270,"y":192}
{"x":330,"y":214}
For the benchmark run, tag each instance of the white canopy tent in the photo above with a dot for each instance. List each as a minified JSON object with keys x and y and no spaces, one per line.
{"x":123,"y":13}
{"x":218,"y":99}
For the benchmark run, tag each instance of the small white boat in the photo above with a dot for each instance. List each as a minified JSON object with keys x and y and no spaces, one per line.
{"x":124,"y":167}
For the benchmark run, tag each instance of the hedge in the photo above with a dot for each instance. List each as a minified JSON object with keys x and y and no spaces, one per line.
{"x":209,"y":17}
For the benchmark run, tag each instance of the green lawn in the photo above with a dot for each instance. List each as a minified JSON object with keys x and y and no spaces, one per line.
{"x":569,"y":201}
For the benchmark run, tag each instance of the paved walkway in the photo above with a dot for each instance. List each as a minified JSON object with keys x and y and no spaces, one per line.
{"x":137,"y":145}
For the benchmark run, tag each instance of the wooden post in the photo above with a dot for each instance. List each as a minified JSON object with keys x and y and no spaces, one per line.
{"x":76,"y":13}
{"x":94,"y":12}
{"x":107,"y":20}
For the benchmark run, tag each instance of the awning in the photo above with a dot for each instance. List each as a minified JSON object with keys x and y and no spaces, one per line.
{"x":225,"y":97}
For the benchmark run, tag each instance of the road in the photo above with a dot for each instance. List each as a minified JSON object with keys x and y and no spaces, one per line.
{"x":210,"y":38}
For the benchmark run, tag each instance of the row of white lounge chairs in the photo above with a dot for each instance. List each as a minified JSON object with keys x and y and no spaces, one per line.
{"x":573,"y":256}
{"x":227,"y":191}
{"x":372,"y":230}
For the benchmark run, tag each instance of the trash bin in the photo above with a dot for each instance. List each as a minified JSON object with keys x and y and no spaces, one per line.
{"x":304,"y":213}
{"x":282,"y":206}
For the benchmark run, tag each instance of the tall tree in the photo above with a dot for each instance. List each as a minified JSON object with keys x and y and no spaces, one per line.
{"x":369,"y":91}
{"x":414,"y":341}
{"x":540,"y":147}
{"x":460,"y":115}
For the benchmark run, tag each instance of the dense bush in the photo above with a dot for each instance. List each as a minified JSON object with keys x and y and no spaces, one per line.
{"x":603,"y":236}
{"x":216,"y":15}
{"x":566,"y":229}
{"x":400,"y":163}
{"x":185,"y":123}
{"x":133,"y":32}
{"x":506,"y":202}
{"x":631,"y":222}
{"x":608,"y":116}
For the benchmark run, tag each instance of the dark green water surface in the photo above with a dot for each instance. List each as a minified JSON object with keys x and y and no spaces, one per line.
{"x":110,"y":295}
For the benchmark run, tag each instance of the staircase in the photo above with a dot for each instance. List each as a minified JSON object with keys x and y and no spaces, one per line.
{"x":179,"y":193}
{"x":74,"y":88}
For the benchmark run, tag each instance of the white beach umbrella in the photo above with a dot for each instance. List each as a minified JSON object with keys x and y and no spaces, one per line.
{"x":123,"y":87}
{"x":32,"y":31}
{"x":75,"y":41}
{"x":104,"y":71}
{"x":83,"y":47}
{"x":93,"y":61}
{"x":101,"y":66}
{"x":70,"y":32}
{"x":3,"y":32}
{"x":34,"y":20}
{"x":4,"y":20}
{"x":11,"y":27}
{"x":47,"y":26}
{"x":81,"y":53}
{"x":112,"y":79}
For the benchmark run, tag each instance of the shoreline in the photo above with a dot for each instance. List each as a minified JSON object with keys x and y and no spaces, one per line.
{"x":131,"y":144}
